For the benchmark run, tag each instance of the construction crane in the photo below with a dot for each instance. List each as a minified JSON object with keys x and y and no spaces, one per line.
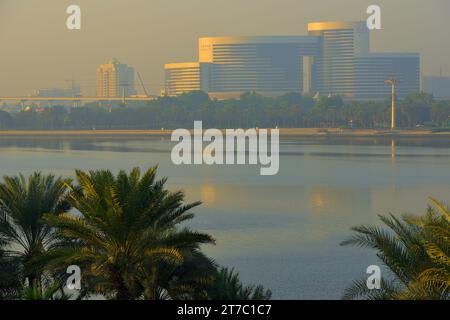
{"x":142,"y":84}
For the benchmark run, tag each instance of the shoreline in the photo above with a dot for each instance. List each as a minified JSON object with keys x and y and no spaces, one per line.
{"x":284,"y":132}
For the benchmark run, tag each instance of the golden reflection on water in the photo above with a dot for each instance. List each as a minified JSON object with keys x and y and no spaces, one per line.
{"x":208,"y":194}
{"x":393,"y":152}
{"x":318,"y":200}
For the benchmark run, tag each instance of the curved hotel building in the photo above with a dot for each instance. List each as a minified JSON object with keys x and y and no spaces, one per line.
{"x":271,"y":65}
{"x":334,"y":58}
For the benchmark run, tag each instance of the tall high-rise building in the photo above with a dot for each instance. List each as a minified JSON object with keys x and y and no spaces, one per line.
{"x":115,"y":80}
{"x":334,"y":58}
{"x":340,"y":42}
{"x":269,"y":65}
{"x":373,"y":69}
{"x":438,"y":86}
{"x":347,"y":66}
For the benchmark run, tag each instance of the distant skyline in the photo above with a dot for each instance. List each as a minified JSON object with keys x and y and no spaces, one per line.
{"x":39,"y":52}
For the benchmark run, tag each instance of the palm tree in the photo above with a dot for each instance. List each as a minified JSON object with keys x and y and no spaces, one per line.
{"x":9,"y":275}
{"x":434,"y":281}
{"x":227,"y":286}
{"x":188,"y":280}
{"x":24,"y":236}
{"x":415,"y":250}
{"x":54,"y":292}
{"x":126,"y":235}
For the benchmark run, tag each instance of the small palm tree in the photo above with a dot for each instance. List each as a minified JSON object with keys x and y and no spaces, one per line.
{"x":23,"y":233}
{"x":227,"y":286}
{"x":126,"y":235}
{"x":53,"y":292}
{"x":415,"y":250}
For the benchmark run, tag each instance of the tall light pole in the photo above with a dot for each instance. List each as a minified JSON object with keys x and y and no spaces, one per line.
{"x":393,"y":83}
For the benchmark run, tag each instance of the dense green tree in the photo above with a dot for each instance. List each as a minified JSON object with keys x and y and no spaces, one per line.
{"x":127,"y":235}
{"x":415,"y":110}
{"x":440,"y":113}
{"x":52,"y":118}
{"x":6,"y":120}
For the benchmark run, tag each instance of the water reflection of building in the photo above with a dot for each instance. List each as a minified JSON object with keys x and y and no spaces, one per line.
{"x":208,"y":194}
{"x":340,"y":202}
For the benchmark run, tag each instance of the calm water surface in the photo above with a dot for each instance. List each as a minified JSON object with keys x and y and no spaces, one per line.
{"x":282,"y":231}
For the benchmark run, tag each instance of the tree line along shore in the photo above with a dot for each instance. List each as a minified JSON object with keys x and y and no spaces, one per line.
{"x":328,"y":114}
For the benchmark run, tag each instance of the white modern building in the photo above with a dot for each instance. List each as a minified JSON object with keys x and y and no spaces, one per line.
{"x":334,"y":58}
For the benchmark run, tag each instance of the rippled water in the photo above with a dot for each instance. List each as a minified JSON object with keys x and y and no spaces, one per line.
{"x":281,"y":231}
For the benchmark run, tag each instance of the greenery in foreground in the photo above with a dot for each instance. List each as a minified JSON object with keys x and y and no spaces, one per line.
{"x":251,"y":110}
{"x":124,"y":231}
{"x":416,"y":250}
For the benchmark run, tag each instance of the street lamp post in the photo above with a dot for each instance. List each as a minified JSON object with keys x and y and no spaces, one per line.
{"x":393,"y":83}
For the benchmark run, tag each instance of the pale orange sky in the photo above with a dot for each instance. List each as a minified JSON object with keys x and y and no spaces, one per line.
{"x":37,"y":51}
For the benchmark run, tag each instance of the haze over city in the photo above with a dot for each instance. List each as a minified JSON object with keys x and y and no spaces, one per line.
{"x":39,"y":51}
{"x":212,"y":151}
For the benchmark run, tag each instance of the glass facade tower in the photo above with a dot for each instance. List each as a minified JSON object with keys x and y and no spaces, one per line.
{"x":334,"y":58}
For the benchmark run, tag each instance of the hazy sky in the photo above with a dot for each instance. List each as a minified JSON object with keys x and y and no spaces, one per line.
{"x":37,"y":50}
